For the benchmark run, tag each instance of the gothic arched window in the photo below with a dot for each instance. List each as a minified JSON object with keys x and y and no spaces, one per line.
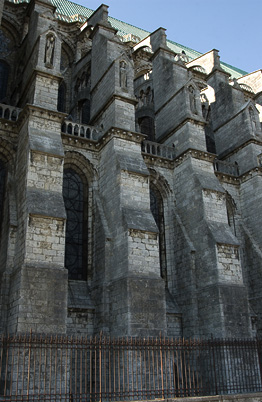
{"x":85,"y":111}
{"x":61,"y":101}
{"x":75,"y":199}
{"x":157,"y":209}
{"x":4,"y":72}
{"x":2,"y":189}
{"x":147,"y":127}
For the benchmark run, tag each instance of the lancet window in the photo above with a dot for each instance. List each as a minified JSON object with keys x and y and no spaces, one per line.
{"x":157,"y":209}
{"x":2,"y":190}
{"x":75,"y":199}
{"x":4,"y":72}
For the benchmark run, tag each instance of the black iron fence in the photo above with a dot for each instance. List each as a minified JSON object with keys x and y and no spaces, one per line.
{"x":60,"y":368}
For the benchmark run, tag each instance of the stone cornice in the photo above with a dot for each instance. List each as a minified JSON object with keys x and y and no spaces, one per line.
{"x":241,"y":146}
{"x":154,"y":160}
{"x":38,"y":111}
{"x":230,"y":179}
{"x":180,"y":125}
{"x":227,"y":178}
{"x":196,"y":154}
{"x":112,"y":98}
{"x":96,"y":146}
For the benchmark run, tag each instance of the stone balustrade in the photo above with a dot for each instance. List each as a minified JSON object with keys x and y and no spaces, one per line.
{"x":80,"y":130}
{"x":155,"y":149}
{"x":8,"y":112}
{"x":225,"y":167}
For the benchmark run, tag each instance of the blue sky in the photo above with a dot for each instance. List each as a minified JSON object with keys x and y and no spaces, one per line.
{"x":231,"y":26}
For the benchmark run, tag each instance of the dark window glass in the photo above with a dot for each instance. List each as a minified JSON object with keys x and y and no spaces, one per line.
{"x":2,"y":189}
{"x":4,"y":72}
{"x":61,"y":102}
{"x":85,"y":118}
{"x":147,"y":127}
{"x":75,"y":247}
{"x":156,"y":206}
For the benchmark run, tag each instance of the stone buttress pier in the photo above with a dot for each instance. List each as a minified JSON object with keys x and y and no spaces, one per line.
{"x":38,"y":290}
{"x":218,"y":293}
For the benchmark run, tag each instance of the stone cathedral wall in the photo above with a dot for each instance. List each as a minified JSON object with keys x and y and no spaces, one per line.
{"x":130,"y":183}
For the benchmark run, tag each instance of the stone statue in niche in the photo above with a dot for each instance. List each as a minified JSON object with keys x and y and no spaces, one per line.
{"x":49,"y":51}
{"x":192,"y":99}
{"x":123,"y":74}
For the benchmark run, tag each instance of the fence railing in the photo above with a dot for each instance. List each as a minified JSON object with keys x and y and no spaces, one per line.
{"x":80,"y":130}
{"x":8,"y":112}
{"x":34,"y":367}
{"x":156,"y":149}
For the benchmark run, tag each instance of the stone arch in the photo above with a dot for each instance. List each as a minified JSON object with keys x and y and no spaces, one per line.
{"x":83,"y":165}
{"x":10,"y":25}
{"x":160,"y":182}
{"x":68,"y":45}
{"x":66,"y":56}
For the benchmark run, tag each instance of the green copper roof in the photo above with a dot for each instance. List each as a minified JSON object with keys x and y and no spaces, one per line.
{"x":68,"y":11}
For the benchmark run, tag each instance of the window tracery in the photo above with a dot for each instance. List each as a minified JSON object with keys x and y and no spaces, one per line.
{"x":74,"y":194}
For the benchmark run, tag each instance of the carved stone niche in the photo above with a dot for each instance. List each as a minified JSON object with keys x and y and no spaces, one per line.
{"x":50,"y":51}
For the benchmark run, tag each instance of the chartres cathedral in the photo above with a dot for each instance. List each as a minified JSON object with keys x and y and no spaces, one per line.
{"x":130,"y":180}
